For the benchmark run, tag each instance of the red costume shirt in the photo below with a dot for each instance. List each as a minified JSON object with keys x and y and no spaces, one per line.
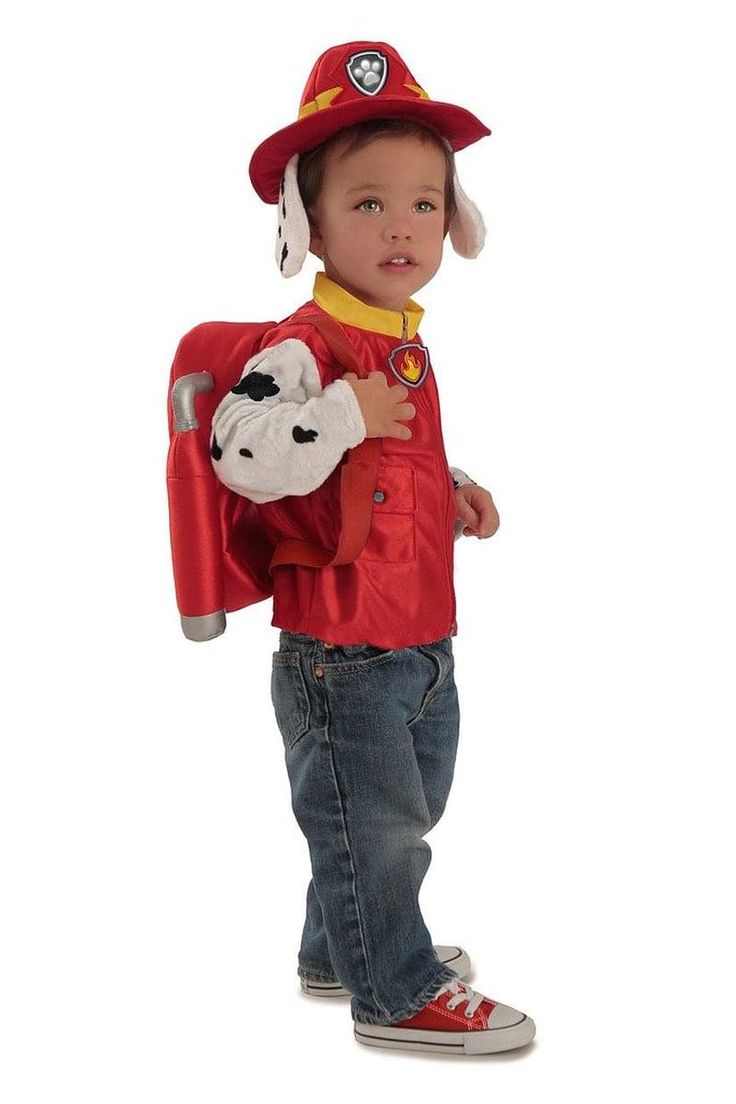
{"x":281,"y":442}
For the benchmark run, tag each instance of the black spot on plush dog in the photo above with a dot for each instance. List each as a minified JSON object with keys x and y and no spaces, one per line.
{"x":245,"y":452}
{"x":216,"y":451}
{"x":303,"y":435}
{"x":455,"y":483}
{"x":282,"y":223}
{"x":257,"y":386}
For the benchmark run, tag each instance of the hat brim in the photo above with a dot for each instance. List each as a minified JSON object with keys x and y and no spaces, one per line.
{"x":460,"y":127}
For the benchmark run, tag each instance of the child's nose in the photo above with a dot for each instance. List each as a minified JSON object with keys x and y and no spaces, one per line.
{"x":398,"y":228}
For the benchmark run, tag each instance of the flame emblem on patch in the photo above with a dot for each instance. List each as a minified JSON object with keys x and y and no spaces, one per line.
{"x":410,"y":363}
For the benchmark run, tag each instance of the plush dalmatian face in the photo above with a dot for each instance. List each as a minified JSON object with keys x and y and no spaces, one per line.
{"x":256,"y":452}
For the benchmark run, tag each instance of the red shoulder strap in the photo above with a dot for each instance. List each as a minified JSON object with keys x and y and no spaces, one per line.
{"x":358,"y":476}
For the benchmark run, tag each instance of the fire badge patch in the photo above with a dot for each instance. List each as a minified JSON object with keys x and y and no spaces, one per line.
{"x":410,"y":363}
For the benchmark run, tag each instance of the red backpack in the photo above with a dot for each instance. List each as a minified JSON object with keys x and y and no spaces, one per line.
{"x":222,"y":558}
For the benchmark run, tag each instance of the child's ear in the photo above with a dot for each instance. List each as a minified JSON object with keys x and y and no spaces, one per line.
{"x":315,"y":238}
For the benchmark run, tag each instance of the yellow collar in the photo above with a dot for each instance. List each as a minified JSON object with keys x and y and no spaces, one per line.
{"x":346,"y":308}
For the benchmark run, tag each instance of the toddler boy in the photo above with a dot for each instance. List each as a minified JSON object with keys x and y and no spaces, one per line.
{"x":363,"y":682}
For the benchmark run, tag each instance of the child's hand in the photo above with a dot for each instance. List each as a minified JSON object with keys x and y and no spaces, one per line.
{"x":382,"y":406}
{"x":476,"y":510}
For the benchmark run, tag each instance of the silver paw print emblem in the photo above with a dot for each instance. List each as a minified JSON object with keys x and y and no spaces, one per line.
{"x":368,"y":71}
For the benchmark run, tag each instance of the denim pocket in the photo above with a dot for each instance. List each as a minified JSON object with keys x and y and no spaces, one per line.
{"x":355,"y":657}
{"x":289,"y":696}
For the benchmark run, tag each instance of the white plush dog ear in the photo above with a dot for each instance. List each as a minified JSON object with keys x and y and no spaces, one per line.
{"x":292,"y":242}
{"x":467,"y":230}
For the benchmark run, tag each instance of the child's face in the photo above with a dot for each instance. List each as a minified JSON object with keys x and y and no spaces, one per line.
{"x":401,"y":210}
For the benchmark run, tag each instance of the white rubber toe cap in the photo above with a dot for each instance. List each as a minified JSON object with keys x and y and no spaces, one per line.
{"x":505,"y":1016}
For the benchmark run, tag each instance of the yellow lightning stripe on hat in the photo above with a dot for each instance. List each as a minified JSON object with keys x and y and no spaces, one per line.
{"x":324,"y":99}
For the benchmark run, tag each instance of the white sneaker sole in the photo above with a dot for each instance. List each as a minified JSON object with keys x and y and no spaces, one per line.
{"x":462,"y":1043}
{"x":454,"y":957}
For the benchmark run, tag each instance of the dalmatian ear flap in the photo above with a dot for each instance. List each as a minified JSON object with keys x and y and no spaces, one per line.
{"x":292,"y":242}
{"x":467,"y":230}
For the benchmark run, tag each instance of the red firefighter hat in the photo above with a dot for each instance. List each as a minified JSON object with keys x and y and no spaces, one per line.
{"x":349,"y":83}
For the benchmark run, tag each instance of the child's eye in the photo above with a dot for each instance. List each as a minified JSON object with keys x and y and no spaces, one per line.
{"x":360,"y":205}
{"x":428,"y":202}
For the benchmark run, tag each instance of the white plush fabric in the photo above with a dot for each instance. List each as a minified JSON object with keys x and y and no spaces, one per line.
{"x":296,"y":430}
{"x":467,"y":229}
{"x":292,"y":239}
{"x":459,"y":477}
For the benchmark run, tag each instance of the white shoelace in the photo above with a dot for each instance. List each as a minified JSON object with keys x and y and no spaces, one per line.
{"x":462,"y":993}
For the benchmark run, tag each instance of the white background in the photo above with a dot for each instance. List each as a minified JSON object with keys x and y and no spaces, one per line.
{"x":152,"y":872}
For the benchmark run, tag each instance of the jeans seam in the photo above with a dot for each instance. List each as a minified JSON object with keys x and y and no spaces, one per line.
{"x":442,"y":673}
{"x":354,"y":888}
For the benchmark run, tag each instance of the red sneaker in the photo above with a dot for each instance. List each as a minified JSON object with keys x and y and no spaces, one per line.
{"x":483,"y":1026}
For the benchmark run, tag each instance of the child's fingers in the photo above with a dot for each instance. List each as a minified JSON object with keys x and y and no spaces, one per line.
{"x":469,"y":518}
{"x":488,"y":520}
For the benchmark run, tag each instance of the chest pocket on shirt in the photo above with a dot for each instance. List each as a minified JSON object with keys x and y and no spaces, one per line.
{"x":392,"y":536}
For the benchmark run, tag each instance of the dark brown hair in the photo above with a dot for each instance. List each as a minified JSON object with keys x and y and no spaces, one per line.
{"x":311,"y":166}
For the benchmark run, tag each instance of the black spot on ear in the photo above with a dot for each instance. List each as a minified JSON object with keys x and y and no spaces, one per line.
{"x":302,"y":435}
{"x":245,"y":452}
{"x":283,"y":205}
{"x":279,"y":231}
{"x":284,"y":255}
{"x":257,"y":386}
{"x":455,"y":483}
{"x":215,"y":451}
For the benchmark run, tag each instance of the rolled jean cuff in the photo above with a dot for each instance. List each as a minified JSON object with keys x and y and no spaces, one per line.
{"x":428,"y":991}
{"x":315,"y":975}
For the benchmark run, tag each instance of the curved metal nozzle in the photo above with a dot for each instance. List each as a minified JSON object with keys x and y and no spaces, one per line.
{"x":183,"y":394}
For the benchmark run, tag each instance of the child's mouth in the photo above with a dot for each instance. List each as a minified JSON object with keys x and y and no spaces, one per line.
{"x":398,"y":265}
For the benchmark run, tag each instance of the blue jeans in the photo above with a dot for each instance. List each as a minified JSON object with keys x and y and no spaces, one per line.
{"x":370,"y":737}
